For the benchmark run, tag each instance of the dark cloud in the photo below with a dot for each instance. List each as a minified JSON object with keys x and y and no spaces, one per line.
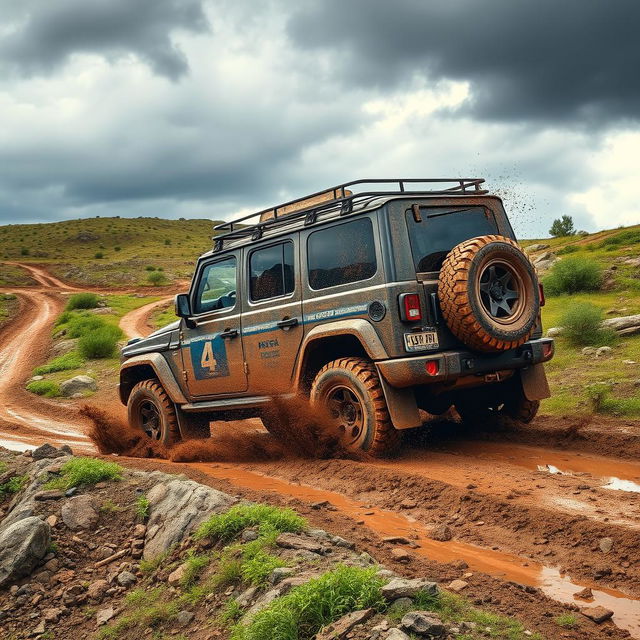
{"x":568,"y":60}
{"x":41,"y":35}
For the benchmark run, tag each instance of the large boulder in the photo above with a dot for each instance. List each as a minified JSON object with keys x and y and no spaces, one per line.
{"x":79,"y":513}
{"x":532,"y":248}
{"x":22,"y":546}
{"x":176,"y":507}
{"x":623,"y":322}
{"x":78,"y":384}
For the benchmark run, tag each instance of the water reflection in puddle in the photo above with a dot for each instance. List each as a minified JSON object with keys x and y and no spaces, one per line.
{"x":617,"y":484}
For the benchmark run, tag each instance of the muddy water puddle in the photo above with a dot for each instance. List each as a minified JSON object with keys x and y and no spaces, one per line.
{"x":388,"y":523}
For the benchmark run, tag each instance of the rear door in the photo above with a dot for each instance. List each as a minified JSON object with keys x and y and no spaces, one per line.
{"x":272,"y":318}
{"x":212,"y":354}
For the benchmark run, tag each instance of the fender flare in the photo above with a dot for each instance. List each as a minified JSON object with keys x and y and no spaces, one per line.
{"x":162,"y":372}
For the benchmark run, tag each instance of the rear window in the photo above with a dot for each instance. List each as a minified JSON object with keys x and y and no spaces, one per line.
{"x":271,"y":272}
{"x":341,"y":254}
{"x":442,"y":229}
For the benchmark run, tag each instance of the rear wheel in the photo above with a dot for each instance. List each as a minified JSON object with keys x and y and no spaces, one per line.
{"x":349,"y":392}
{"x":150,"y":410}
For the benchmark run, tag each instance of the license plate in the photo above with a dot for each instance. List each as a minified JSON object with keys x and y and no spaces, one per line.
{"x":423,"y":341}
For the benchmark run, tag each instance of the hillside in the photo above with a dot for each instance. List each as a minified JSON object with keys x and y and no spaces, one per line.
{"x":106,"y":251}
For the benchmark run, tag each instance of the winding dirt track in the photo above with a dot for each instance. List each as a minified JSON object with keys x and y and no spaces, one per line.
{"x":530,"y":507}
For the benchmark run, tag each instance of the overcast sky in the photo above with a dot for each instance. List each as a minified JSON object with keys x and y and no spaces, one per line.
{"x":211,"y":108}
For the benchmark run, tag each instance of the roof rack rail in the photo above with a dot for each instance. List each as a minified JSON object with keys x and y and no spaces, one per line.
{"x":339,"y":198}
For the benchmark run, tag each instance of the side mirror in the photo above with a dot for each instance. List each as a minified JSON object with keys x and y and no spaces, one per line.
{"x":182,"y":305}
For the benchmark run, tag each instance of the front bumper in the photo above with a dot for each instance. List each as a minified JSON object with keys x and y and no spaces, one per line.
{"x":447,"y":366}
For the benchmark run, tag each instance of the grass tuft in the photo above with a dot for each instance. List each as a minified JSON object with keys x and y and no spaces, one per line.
{"x":13,"y":485}
{"x":572,"y":275}
{"x":142,"y":507}
{"x":194,"y":566}
{"x":100,"y":344}
{"x":79,"y":472}
{"x":46,"y":388}
{"x":581,"y":325}
{"x":71,"y":360}
{"x":567,"y":621}
{"x":82,"y":301}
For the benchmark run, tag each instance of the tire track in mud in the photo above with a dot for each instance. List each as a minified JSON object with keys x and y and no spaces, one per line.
{"x":435,"y":481}
{"x":136,"y":323}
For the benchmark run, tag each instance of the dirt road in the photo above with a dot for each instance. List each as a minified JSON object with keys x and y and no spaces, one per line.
{"x":136,"y":323}
{"x":539,"y":507}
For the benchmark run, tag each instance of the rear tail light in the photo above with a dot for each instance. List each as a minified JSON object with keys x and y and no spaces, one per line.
{"x":432,"y":367}
{"x":410,"y":310}
{"x":547,"y":350}
{"x":541,"y":290}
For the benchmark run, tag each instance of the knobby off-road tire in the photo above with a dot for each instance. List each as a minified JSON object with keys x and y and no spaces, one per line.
{"x":488,"y":293}
{"x":349,"y":391}
{"x":150,"y":410}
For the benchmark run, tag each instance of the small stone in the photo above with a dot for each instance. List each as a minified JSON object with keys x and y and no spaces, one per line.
{"x":50,"y":494}
{"x":408,"y":504}
{"x":405,"y":588}
{"x":184,"y":618}
{"x":554,"y":332}
{"x":293,"y":541}
{"x":341,"y":627}
{"x":126,"y":579}
{"x":104,"y":615}
{"x":176,"y":576}
{"x":588,"y":351}
{"x":457,"y":585}
{"x":441,"y":533}
{"x":97,"y":589}
{"x":584,"y":594}
{"x":71,"y":492}
{"x":396,"y":540}
{"x":79,"y":513}
{"x":279,"y":573}
{"x":341,"y":542}
{"x":139,"y":531}
{"x":597,"y":614}
{"x":46,"y":451}
{"x":39,"y":630}
{"x":401,"y":555}
{"x":606,"y":544}
{"x":424,"y":623}
{"x":52,"y":614}
{"x":77,"y":384}
{"x":602,"y":352}
{"x":249,"y":535}
{"x":246,"y":597}
{"x":400,"y":605}
{"x":396,"y":634}
{"x":52,"y":520}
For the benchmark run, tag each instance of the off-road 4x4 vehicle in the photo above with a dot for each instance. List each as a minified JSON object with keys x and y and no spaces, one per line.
{"x":373,"y":300}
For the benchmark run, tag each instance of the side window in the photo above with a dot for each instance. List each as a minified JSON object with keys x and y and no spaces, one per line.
{"x":341,"y":254}
{"x":271,"y":272}
{"x":217,"y":286}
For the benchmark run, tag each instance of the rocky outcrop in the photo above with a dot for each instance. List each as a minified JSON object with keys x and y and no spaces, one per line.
{"x":78,"y":384}
{"x":22,"y":546}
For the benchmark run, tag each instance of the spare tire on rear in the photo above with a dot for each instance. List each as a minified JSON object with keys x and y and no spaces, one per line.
{"x":488,"y":292}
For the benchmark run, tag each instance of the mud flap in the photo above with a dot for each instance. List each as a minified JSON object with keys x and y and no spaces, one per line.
{"x":534,"y":382}
{"x":402,"y":406}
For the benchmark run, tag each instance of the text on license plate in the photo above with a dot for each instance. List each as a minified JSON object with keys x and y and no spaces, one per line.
{"x":421,"y":341}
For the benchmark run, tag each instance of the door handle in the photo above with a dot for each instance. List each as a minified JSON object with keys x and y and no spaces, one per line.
{"x":287,"y":323}
{"x":229,"y":333}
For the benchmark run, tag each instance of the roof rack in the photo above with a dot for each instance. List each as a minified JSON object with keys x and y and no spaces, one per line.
{"x":339,"y":198}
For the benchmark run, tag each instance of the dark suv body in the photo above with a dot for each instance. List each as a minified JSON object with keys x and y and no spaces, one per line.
{"x":339,"y":298}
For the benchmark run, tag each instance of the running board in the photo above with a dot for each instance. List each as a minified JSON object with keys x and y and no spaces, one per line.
{"x":247,"y":402}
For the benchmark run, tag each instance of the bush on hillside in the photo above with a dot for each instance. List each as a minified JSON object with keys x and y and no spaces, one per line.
{"x":582,"y":325}
{"x":630,"y":236}
{"x":570,"y":248}
{"x":98,"y":344}
{"x":46,"y":388}
{"x":66,"y":362}
{"x":82,"y":301}
{"x":156,"y":278}
{"x":572,"y":275}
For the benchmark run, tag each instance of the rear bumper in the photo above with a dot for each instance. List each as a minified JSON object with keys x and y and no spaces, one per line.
{"x":450,"y":365}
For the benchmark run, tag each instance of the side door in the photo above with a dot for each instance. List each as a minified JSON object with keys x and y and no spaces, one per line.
{"x":211,"y":347}
{"x":272,"y":318}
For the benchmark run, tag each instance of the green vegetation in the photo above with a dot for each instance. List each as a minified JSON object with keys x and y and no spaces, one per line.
{"x":99,"y":344}
{"x":13,"y":485}
{"x":257,"y":566}
{"x":82,"y":301}
{"x":567,"y":621}
{"x":108,"y":506}
{"x":581,"y":324}
{"x":78,"y":472}
{"x":156,"y":278}
{"x":46,"y":388}
{"x":142,"y":507}
{"x":562,"y":227}
{"x":300,"y":614}
{"x":627,"y":237}
{"x":14,"y":276}
{"x":194,"y":566}
{"x":572,"y":275}
{"x":71,"y":360}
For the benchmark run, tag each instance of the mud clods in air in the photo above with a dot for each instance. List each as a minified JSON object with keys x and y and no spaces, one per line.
{"x":295,"y":432}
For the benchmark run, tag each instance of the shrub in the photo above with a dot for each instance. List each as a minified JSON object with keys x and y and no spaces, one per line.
{"x":631,"y":236}
{"x":570,"y":248}
{"x":156,"y":278}
{"x":13,"y":485}
{"x":582,"y":325}
{"x":46,"y":388}
{"x":82,"y":301}
{"x":71,"y":360}
{"x":562,"y":227}
{"x":99,"y":255}
{"x":598,"y":393}
{"x":572,"y":275}
{"x":98,"y":344}
{"x":150,"y":268}
{"x":24,"y":251}
{"x":142,"y":507}
{"x":79,"y":472}
{"x":117,"y":248}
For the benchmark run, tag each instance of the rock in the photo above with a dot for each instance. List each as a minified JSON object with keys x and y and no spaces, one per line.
{"x":630,"y":362}
{"x":606,"y":544}
{"x":400,"y":555}
{"x":139,"y":531}
{"x":293,"y":541}
{"x":401,"y":604}
{"x":554,"y":332}
{"x":532,"y":248}
{"x":603,"y":352}
{"x":341,"y":627}
{"x":629,"y":331}
{"x":79,"y":513}
{"x":177,"y":575}
{"x":442,"y":533}
{"x":405,"y":588}
{"x":341,"y":542}
{"x":423,"y":623}
{"x":40,"y":629}
{"x":543,"y":265}
{"x":46,"y":451}
{"x":249,"y":535}
{"x":63,"y":346}
{"x":22,"y":546}
{"x":104,"y":615}
{"x":267,"y":598}
{"x":126,"y":579}
{"x":588,"y":351}
{"x":77,"y":384}
{"x":97,"y":590}
{"x":184,"y":618}
{"x":247,"y":597}
{"x":584,"y":594}
{"x":396,"y":540}
{"x":280,"y":573}
{"x":622,"y":322}
{"x":52,"y":614}
{"x":176,"y":507}
{"x":100,"y":311}
{"x":597,"y":614}
{"x":49,"y":494}
{"x":36,"y":378}
{"x":457,"y":585}
{"x":396,"y":634}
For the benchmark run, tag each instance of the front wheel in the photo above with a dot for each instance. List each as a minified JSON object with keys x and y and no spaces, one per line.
{"x":349,"y":392}
{"x":150,"y":410}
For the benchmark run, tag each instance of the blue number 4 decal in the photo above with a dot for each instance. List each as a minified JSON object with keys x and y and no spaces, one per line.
{"x":209,"y":358}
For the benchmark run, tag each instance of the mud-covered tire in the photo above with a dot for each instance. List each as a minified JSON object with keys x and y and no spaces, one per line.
{"x":150,"y":409}
{"x":522,"y":410}
{"x":349,"y":390}
{"x":476,"y":296}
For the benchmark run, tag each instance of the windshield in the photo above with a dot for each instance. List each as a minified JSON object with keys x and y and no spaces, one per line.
{"x":442,"y":229}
